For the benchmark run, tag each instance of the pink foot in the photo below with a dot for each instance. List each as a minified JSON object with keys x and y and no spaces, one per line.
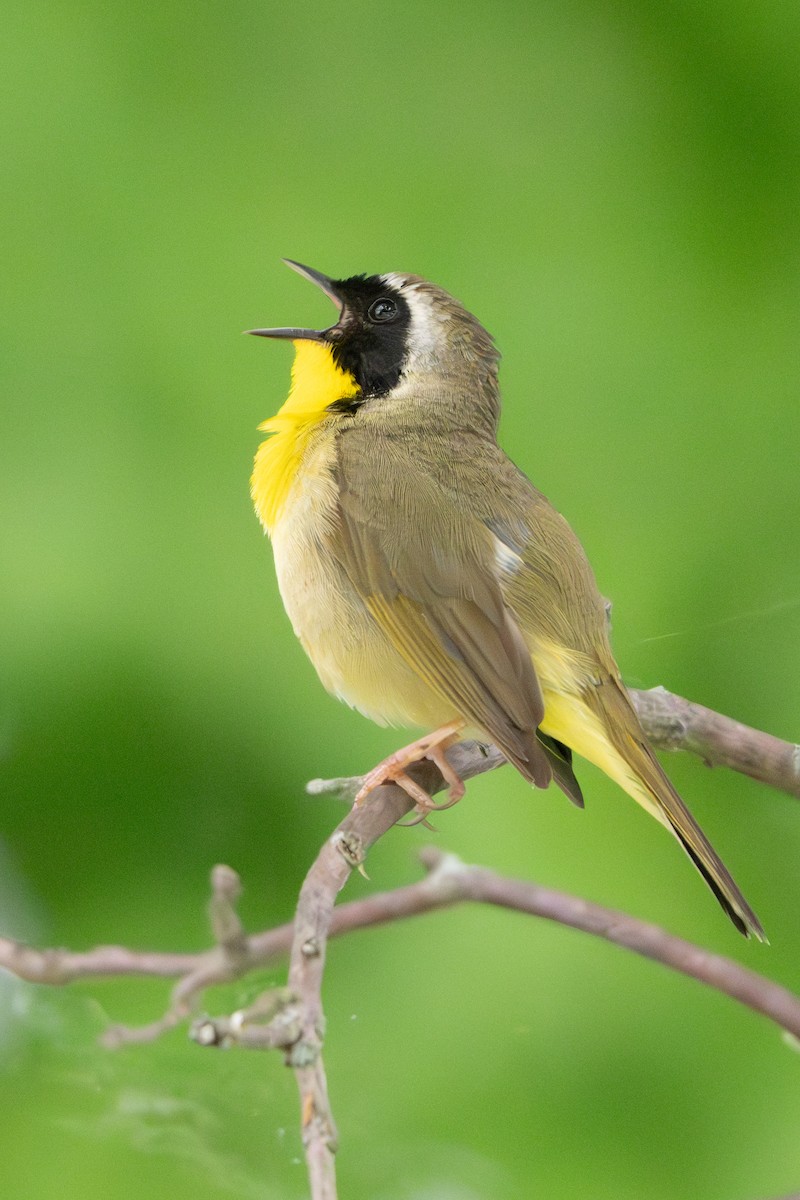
{"x":393,"y":769}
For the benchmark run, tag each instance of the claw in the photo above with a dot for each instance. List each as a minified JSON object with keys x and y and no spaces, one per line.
{"x":393,"y":769}
{"x":422,"y":819}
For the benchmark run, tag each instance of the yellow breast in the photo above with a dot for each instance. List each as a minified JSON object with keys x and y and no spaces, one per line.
{"x":317,"y":382}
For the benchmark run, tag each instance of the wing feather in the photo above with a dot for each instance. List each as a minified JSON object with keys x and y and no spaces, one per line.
{"x":429,"y":582}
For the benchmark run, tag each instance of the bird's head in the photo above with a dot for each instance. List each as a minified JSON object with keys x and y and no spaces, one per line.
{"x":395,"y":332}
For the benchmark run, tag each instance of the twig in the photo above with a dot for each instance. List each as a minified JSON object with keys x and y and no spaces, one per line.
{"x":673,"y":723}
{"x":651,"y":941}
{"x":448,"y":882}
{"x":58,"y":967}
{"x":227,"y":960}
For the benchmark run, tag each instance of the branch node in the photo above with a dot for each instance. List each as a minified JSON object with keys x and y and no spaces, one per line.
{"x":303,"y":1053}
{"x":240,"y":1029}
{"x":351,"y":847}
{"x":266,"y":1007}
{"x":430,"y":858}
{"x":228,"y":931}
{"x":439,"y":863}
{"x":310,"y":948}
{"x":205,"y":1032}
{"x":345,"y":788}
{"x":225,"y":882}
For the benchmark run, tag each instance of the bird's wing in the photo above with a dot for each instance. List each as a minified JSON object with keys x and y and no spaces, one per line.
{"x":545,"y":575}
{"x":550,"y":587}
{"x":425,"y":570}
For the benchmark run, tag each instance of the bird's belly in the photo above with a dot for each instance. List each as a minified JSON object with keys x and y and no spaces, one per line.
{"x":352,"y":656}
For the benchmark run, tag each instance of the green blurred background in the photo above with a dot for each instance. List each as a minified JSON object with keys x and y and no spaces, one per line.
{"x":613,"y":189}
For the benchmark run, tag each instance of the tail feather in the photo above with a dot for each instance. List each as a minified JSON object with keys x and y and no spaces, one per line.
{"x":699,"y":848}
{"x":603,"y":727}
{"x":558,"y":759}
{"x":746,"y":927}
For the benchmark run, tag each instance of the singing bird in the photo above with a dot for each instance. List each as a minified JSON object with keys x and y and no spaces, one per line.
{"x":429,"y":582}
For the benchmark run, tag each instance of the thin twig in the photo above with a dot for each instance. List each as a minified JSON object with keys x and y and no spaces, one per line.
{"x":58,"y":967}
{"x":227,"y":960}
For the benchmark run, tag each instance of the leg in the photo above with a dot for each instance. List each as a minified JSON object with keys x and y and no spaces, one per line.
{"x":393,"y":769}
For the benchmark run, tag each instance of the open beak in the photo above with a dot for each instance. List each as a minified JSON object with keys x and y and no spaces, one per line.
{"x":306,"y":335}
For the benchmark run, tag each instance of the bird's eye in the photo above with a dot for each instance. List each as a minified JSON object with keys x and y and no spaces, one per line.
{"x":382,"y":310}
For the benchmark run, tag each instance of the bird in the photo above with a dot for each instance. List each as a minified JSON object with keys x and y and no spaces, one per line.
{"x":427,"y":579}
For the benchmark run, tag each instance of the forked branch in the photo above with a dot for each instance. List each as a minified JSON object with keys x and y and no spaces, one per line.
{"x":291,"y":1018}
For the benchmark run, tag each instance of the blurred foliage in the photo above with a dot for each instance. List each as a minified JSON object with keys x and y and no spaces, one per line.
{"x":613,"y":189}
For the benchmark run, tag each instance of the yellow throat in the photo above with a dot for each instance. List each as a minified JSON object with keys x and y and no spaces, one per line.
{"x":317,"y":382}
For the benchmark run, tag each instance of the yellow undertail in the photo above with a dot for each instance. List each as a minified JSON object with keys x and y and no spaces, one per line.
{"x":600,"y":724}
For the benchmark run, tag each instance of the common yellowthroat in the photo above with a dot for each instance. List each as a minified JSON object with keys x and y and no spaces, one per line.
{"x":429,"y":582}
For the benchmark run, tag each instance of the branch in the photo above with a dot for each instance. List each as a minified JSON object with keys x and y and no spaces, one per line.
{"x":448,"y":882}
{"x":292,"y":1018}
{"x":299,"y":1025}
{"x":345,"y":849}
{"x":671,"y":723}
